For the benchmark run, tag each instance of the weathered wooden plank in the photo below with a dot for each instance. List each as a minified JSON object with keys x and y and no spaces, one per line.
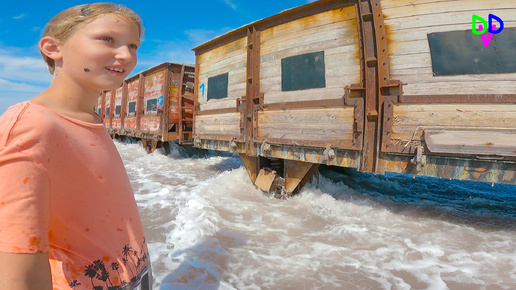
{"x":304,"y":95}
{"x":387,"y":4}
{"x":236,"y":61}
{"x":228,"y":50}
{"x":218,"y":125}
{"x":413,"y":75}
{"x":307,"y":45}
{"x":409,"y":121}
{"x":458,"y":87}
{"x":307,"y":124}
{"x":472,"y":141}
{"x":442,"y":19}
{"x":272,"y":85}
{"x":310,"y":22}
{"x":336,"y":34}
{"x":219,"y":104}
{"x":436,"y":7}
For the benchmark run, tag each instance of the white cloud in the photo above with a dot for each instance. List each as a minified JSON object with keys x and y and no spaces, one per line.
{"x":20,"y":16}
{"x":23,"y":68}
{"x":12,"y":93}
{"x":22,"y":76}
{"x":8,"y":86}
{"x":230,"y":4}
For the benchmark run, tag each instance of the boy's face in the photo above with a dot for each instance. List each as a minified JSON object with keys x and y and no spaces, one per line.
{"x":100,"y":54}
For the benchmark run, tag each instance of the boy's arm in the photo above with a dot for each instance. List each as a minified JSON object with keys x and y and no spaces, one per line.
{"x":25,"y":271}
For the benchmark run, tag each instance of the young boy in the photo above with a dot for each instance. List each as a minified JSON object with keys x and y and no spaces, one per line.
{"x":68,"y":218}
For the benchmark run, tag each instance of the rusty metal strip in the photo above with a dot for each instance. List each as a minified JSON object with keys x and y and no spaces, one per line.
{"x":139,"y":105}
{"x":196,"y":110}
{"x":369,"y":62}
{"x":453,"y":168}
{"x":253,"y":99}
{"x":164,"y":123}
{"x":179,"y":127}
{"x":388,"y":115}
{"x":375,"y":81}
{"x":123,"y":109}
{"x":310,"y":143}
{"x":343,"y":158}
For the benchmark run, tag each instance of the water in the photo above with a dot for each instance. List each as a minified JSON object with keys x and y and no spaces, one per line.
{"x":208,"y":227}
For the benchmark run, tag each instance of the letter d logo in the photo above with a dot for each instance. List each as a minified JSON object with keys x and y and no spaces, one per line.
{"x":484,"y":26}
{"x":490,"y":28}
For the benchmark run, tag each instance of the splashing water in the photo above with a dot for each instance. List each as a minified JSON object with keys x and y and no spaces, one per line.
{"x":208,"y":227}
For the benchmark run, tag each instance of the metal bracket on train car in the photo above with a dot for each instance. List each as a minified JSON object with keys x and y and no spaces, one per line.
{"x":238,"y":102}
{"x":266,"y":147}
{"x":233,"y":146}
{"x":329,"y":154}
{"x":420,"y":159}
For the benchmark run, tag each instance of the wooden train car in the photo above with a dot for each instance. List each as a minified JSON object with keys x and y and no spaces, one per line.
{"x":155,"y":106}
{"x":400,"y":86}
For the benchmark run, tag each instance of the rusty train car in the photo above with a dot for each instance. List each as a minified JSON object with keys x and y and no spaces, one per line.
{"x":155,"y":105}
{"x":401,"y":86}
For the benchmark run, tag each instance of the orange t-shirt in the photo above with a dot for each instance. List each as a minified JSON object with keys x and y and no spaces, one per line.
{"x":64,"y":191}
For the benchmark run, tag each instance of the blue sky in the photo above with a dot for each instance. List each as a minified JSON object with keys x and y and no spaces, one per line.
{"x":172,"y":29}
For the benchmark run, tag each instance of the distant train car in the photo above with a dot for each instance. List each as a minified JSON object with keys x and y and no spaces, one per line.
{"x":402,"y":86}
{"x":155,"y":106}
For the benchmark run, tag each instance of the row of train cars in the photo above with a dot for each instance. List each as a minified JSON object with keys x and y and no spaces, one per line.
{"x":400,"y":86}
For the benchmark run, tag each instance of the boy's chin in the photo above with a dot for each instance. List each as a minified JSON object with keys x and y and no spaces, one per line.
{"x":113,"y":87}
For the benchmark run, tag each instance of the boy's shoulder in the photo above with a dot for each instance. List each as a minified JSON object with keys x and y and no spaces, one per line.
{"x":25,"y":119}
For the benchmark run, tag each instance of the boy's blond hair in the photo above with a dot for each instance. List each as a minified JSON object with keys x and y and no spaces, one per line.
{"x":64,"y":24}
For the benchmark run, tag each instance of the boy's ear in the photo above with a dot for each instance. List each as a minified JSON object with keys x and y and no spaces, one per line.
{"x":49,"y":46}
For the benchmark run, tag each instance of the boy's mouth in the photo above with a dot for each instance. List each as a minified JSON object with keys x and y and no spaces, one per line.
{"x":115,"y":69}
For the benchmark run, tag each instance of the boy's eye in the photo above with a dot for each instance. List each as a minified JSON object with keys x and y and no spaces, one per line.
{"x":133,"y":46}
{"x":107,"y":39}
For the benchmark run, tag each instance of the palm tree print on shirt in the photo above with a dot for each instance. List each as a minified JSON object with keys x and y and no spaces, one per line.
{"x":135,"y":261}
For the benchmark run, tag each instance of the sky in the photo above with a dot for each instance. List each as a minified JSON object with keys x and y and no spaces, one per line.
{"x":172,"y":29}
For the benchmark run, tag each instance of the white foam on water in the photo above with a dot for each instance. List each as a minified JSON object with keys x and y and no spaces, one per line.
{"x":208,"y":227}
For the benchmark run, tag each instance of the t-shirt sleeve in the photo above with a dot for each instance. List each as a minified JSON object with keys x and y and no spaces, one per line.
{"x":24,"y":203}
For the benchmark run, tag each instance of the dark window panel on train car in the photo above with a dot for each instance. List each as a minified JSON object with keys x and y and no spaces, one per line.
{"x":132,"y":108}
{"x":218,"y":87}
{"x":152,"y":106}
{"x":107,"y":111}
{"x":118,"y":109}
{"x":302,"y":72}
{"x":462,"y":52}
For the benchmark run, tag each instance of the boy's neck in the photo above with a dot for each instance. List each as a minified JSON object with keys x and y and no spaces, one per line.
{"x":73,"y":103}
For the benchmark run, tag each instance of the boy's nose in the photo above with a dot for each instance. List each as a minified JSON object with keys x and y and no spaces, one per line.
{"x":124,"y":53}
